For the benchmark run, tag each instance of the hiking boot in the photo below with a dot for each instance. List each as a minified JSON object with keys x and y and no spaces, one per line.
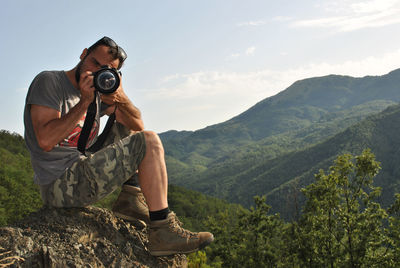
{"x":167,"y":237}
{"x":131,"y":205}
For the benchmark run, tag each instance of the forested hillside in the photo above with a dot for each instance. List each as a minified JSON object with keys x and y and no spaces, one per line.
{"x":256,"y":152}
{"x":308,"y":101}
{"x":18,"y":194}
{"x":282,"y":177}
{"x":378,"y":132}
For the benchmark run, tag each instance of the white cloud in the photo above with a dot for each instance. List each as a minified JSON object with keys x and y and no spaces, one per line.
{"x":265,"y":21}
{"x":356,"y":6}
{"x":211,"y":83}
{"x":234,"y":55}
{"x":265,"y":82}
{"x":250,"y":50}
{"x":253,"y":23}
{"x":281,"y":18}
{"x":168,"y":78}
{"x":354,"y":15}
{"x":373,"y":6}
{"x":202,"y":98}
{"x":344,"y":15}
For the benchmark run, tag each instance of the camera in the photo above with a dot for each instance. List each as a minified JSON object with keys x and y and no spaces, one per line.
{"x":106,"y":80}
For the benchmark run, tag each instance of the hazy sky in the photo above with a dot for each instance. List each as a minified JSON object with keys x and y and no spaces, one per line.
{"x":196,"y":63}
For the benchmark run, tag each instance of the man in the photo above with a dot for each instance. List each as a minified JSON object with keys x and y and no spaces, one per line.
{"x":55,"y":110}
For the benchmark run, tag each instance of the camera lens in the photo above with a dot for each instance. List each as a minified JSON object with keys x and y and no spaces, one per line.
{"x":106,"y":80}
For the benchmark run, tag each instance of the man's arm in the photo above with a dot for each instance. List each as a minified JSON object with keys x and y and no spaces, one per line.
{"x":50,"y":127}
{"x":126,"y":113}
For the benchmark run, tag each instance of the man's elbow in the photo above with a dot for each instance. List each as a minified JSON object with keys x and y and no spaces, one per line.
{"x":135,"y":125}
{"x":45,"y":145}
{"x":140,"y":126}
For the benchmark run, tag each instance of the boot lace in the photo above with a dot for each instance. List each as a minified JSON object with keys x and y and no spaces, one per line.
{"x":176,"y":225}
{"x":142,"y":199}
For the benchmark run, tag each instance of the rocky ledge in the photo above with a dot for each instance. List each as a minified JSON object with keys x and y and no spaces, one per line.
{"x":78,"y":237}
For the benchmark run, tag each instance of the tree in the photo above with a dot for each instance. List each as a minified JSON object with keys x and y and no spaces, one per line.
{"x":261,"y":236}
{"x":18,"y":194}
{"x":341,"y":224}
{"x":394,"y":230}
{"x":252,"y":240}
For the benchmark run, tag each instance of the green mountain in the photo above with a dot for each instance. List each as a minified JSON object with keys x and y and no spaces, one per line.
{"x":281,"y":178}
{"x":18,"y":194}
{"x":246,"y":155}
{"x":378,"y":132}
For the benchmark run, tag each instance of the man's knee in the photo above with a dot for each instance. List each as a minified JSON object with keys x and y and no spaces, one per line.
{"x":153,"y":142}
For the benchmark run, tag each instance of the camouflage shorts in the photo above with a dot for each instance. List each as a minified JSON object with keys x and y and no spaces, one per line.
{"x":99,"y":174}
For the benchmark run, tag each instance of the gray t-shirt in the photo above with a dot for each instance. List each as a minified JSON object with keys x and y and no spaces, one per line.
{"x":53,"y":89}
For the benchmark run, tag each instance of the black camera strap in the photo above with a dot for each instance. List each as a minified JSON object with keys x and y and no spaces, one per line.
{"x":101,"y":139}
{"x":87,"y":127}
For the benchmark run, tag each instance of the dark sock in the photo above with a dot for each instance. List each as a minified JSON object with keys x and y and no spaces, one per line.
{"x":159,"y":214}
{"x":133,"y":181}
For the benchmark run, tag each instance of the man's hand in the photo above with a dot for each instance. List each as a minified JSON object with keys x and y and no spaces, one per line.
{"x":86,"y":87}
{"x":126,"y":113}
{"x":117,"y":97}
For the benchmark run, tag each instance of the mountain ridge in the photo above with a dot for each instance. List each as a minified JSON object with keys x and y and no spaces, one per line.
{"x":277,"y":98}
{"x":277,"y":114}
{"x":308,"y":112}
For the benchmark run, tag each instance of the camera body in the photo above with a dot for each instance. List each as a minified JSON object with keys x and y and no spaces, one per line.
{"x":106,"y":80}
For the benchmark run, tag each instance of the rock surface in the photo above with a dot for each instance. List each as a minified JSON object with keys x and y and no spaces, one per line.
{"x":79,"y":237}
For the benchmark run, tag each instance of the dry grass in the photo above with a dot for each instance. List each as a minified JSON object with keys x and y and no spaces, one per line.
{"x":6,"y":260}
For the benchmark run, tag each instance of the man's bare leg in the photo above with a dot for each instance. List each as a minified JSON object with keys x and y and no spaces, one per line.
{"x":153,"y":173}
{"x":166,"y":236}
{"x":149,"y":202}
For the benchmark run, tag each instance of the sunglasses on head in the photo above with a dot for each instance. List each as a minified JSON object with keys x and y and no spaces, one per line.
{"x":107,"y":41}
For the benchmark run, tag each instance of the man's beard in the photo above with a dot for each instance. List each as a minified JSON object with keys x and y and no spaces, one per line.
{"x":78,"y":72}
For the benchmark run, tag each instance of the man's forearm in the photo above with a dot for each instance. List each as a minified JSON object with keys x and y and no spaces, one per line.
{"x":53,"y":131}
{"x":129,"y":115}
{"x":126,"y":113}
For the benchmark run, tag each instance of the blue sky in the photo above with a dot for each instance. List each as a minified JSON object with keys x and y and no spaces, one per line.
{"x":192,"y":64}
